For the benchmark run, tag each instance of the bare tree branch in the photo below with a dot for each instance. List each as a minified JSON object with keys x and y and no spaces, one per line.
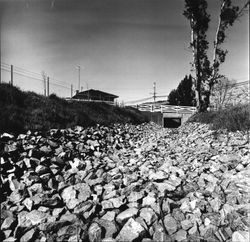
{"x":240,"y":13}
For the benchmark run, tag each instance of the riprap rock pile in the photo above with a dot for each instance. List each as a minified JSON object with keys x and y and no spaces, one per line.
{"x":125,"y":183}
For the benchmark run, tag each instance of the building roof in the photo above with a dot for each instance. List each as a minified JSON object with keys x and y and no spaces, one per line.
{"x":94,"y":93}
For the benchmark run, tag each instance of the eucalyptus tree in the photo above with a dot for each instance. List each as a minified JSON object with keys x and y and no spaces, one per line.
{"x":206,"y":71}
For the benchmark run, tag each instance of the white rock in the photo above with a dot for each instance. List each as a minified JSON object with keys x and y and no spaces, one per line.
{"x":125,"y":215}
{"x":148,"y":215}
{"x":170,"y":224}
{"x":94,"y":232}
{"x":130,"y":231}
{"x":186,"y":224}
{"x":110,"y":216}
{"x":185,"y":207}
{"x":148,"y":200}
{"x":207,"y":221}
{"x":240,"y":236}
{"x":181,"y":235}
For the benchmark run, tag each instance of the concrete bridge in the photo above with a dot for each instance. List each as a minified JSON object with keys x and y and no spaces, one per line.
{"x":167,"y":115}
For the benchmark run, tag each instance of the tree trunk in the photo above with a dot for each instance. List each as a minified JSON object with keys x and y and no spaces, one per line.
{"x":205,"y":101}
{"x":195,"y":83}
{"x":200,"y":104}
{"x":199,"y":96}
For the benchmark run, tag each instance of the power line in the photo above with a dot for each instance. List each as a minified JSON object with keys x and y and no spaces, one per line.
{"x":31,"y":74}
{"x":162,"y":96}
{"x":38,"y":76}
{"x":58,"y":82}
{"x":32,"y":77}
{"x":145,"y":99}
{"x":2,"y":63}
{"x":22,"y":69}
{"x":28,"y":72}
{"x":139,"y":100}
{"x":26,"y":75}
{"x":55,"y":84}
{"x":23,"y":74}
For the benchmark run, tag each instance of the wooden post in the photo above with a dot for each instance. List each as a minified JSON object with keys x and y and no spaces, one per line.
{"x":44,"y":85}
{"x":71,"y":90}
{"x":11,"y":75}
{"x":47,"y":86}
{"x":79,"y":77}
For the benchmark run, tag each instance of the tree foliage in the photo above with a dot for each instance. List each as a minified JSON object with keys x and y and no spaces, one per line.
{"x":173,"y":97}
{"x":206,"y":72}
{"x":183,"y":95}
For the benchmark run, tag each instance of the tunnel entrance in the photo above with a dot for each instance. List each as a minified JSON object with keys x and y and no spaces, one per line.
{"x":171,"y":122}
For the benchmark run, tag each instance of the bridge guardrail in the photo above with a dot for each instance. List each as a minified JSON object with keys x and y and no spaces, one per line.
{"x":165,"y":108}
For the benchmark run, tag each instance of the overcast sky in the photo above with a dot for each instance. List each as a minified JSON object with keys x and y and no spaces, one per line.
{"x":122,"y":46}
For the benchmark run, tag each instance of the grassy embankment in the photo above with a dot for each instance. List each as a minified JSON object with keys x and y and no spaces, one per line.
{"x":21,"y":111}
{"x":235,"y":118}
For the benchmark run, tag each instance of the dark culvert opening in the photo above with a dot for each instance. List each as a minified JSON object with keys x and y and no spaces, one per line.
{"x":172,"y":122}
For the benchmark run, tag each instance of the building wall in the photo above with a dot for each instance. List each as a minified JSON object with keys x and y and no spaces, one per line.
{"x":94,"y":98}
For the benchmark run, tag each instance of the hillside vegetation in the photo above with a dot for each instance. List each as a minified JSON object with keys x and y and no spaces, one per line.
{"x":22,"y":111}
{"x":235,"y":118}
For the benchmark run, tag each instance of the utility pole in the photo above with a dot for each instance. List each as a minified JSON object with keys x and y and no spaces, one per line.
{"x":0,"y":66}
{"x":87,"y":89}
{"x":71,"y":90}
{"x":47,"y":86}
{"x":154,"y":95}
{"x":79,"y":77}
{"x":154,"y":92}
{"x":44,"y":76}
{"x":11,"y":75}
{"x":44,"y":85}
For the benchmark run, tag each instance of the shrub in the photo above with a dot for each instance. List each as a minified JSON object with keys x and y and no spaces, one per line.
{"x":236,"y":118}
{"x":233,"y":119}
{"x":12,"y":119}
{"x":206,"y":117}
{"x":11,"y":95}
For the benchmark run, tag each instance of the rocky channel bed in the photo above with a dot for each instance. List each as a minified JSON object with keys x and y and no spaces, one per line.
{"x":125,"y":183}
